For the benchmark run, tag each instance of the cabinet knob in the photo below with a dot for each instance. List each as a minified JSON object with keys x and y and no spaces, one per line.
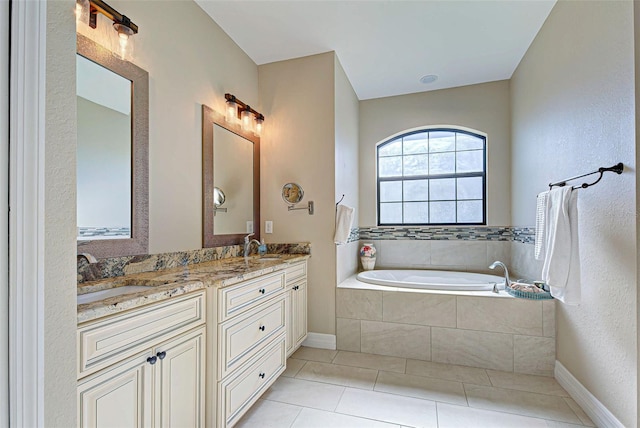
{"x":296,"y":287}
{"x":261,"y":375}
{"x":261,"y":328}
{"x":161,"y":355}
{"x":152,"y":360}
{"x":261,"y":291}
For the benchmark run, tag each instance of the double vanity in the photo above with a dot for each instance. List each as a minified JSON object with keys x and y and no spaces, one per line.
{"x":193,"y":346}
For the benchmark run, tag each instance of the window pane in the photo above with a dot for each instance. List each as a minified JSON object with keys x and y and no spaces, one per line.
{"x":393,"y":148}
{"x":390,"y":167}
{"x":416,"y":143}
{"x":391,"y":191}
{"x":390,"y":213}
{"x":443,"y":189}
{"x":415,"y":165}
{"x":442,"y":163}
{"x":469,"y":211}
{"x":416,"y":190}
{"x":442,"y":212}
{"x":468,"y":142}
{"x":470,"y":188}
{"x":442,"y":141}
{"x":416,"y":212}
{"x":471,"y":161}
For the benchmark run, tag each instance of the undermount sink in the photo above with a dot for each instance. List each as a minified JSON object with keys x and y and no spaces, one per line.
{"x":111,"y":292}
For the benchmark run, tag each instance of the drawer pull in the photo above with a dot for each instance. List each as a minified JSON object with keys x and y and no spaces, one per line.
{"x":296,"y":287}
{"x":152,"y":360}
{"x":261,"y":291}
{"x":261,"y":328}
{"x":261,"y":375}
{"x":161,"y":355}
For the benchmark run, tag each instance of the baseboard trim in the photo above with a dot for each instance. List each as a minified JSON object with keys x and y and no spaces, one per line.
{"x":598,"y":413}
{"x":320,"y":340}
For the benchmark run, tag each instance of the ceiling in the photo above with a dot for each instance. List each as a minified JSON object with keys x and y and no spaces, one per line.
{"x":385,"y":47}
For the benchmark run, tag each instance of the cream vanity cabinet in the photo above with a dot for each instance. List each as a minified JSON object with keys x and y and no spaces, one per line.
{"x":144,"y":367}
{"x":296,"y":305}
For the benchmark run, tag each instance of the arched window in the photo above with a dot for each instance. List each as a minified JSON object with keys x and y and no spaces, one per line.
{"x":432,"y":177}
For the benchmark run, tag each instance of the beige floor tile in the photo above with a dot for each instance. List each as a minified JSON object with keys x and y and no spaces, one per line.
{"x":396,"y":340}
{"x":304,"y":393}
{"x":314,"y":354}
{"x":422,"y":309}
{"x":310,"y":418}
{"x":269,"y":414}
{"x":517,"y":316}
{"x":348,"y":334}
{"x":584,"y":418}
{"x":421,"y":387}
{"x":448,"y":372}
{"x":520,"y":402}
{"x":450,"y":416}
{"x":370,"y":361}
{"x":388,"y":408}
{"x":534,"y":355}
{"x":293,"y":367}
{"x":523,"y":382}
{"x":354,"y":377}
{"x":472,"y":348}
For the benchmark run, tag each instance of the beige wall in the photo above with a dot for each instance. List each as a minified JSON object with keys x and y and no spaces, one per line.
{"x":298,"y":145}
{"x":636,"y":28}
{"x":573,"y":111}
{"x":483,"y":107}
{"x":191,"y":62}
{"x":346,"y":166}
{"x":59,"y":246}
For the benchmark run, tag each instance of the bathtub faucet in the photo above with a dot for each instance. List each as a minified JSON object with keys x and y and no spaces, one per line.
{"x":507,"y":281}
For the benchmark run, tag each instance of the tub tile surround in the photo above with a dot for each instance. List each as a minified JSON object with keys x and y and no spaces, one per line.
{"x":127,"y":265}
{"x":498,"y":333}
{"x":398,"y":392}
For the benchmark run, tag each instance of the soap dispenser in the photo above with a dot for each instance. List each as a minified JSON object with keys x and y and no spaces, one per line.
{"x":262,"y":249}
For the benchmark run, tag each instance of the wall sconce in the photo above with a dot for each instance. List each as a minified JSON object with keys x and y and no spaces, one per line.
{"x":89,"y":9}
{"x":250,"y":120}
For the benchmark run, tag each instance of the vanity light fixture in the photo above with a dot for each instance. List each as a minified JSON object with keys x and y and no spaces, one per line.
{"x":250,"y":120}
{"x":121,"y":23}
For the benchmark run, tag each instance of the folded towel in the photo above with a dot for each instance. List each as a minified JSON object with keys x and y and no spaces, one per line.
{"x":344,"y":220}
{"x":541,"y":208}
{"x":561,"y":269}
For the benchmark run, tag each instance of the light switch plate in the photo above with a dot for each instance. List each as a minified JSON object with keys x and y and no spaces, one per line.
{"x":250,"y":226}
{"x":268,"y":226}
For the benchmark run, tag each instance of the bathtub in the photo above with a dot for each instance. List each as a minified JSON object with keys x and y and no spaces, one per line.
{"x":432,"y":280}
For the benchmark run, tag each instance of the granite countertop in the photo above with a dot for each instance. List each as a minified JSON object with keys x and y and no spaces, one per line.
{"x":169,"y":283}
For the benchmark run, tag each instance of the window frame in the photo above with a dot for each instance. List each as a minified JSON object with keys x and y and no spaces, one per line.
{"x":402,"y":178}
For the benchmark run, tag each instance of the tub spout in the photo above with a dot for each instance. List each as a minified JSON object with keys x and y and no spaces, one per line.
{"x":497,"y":263}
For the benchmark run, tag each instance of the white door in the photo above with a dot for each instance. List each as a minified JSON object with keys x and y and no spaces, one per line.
{"x":180,"y":381}
{"x":120,"y":396}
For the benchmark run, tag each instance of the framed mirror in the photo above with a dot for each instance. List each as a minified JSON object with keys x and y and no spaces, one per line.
{"x":231,"y":163}
{"x":112,"y":153}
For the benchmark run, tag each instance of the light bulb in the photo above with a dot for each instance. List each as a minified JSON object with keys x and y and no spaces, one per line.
{"x":232,"y":110}
{"x":82,"y":11}
{"x":259,"y":124}
{"x":245,"y":118}
{"x":123,"y":39}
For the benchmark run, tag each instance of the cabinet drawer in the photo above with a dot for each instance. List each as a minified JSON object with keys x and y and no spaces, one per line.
{"x":112,"y":339}
{"x":248,"y":294}
{"x":240,"y":391}
{"x":295,"y":272}
{"x":242,"y":337}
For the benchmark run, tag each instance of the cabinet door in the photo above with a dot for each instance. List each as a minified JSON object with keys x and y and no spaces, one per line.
{"x":180,"y":381}
{"x":299,"y":306}
{"x":288,"y":321}
{"x":119,"y":396}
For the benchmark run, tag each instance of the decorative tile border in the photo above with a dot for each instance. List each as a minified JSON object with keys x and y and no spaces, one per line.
{"x":525,"y":235}
{"x":104,"y":232}
{"x":479,"y":233}
{"x":119,"y":266}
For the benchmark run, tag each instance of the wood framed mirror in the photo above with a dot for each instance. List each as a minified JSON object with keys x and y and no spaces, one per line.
{"x":113,"y":153}
{"x":230,"y":162}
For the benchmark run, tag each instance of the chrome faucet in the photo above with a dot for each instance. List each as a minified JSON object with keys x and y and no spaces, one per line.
{"x":507,"y":281}
{"x":247,"y":244}
{"x":90,"y":259}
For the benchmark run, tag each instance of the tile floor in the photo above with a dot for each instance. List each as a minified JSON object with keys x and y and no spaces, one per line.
{"x":333,"y":389}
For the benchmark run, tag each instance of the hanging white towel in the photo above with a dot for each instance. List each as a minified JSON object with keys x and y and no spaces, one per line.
{"x":344,"y":220}
{"x":541,"y":208}
{"x":561,"y":269}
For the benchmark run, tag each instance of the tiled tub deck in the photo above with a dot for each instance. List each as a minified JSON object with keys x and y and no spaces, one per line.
{"x":477,"y":329}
